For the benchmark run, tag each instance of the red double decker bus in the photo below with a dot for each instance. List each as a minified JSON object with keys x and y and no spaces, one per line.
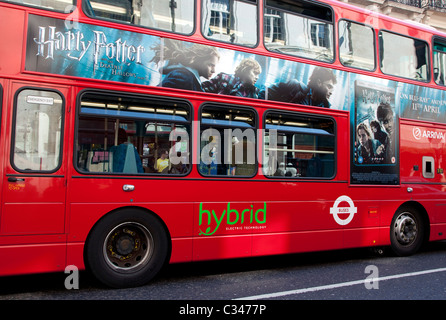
{"x":140,"y":133}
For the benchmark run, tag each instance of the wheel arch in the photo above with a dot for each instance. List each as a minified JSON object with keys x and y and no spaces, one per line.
{"x":415,"y":205}
{"x":126,"y":209}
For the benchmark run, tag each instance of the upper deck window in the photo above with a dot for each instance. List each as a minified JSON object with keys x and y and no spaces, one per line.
{"x":440,"y":61}
{"x":403,"y":56}
{"x":168,"y":15}
{"x":233,"y":21}
{"x":56,"y":5}
{"x":356,"y":45}
{"x":299,"y":28}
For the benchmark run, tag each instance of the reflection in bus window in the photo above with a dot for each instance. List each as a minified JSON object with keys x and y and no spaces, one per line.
{"x":403,"y":56}
{"x":231,"y":21}
{"x":356,"y":45}
{"x":440,"y":61}
{"x":38,"y":124}
{"x":57,"y":5}
{"x":298,"y":147}
{"x":299,"y":28}
{"x":169,"y":15}
{"x":127,"y":135}
{"x":228,"y":142}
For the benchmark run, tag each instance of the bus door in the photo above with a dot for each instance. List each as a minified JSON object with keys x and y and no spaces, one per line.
{"x":34,"y":179}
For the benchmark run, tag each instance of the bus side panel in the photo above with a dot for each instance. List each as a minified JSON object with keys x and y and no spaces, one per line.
{"x":419,"y":141}
{"x":13,"y":22}
{"x":237,"y":228}
{"x":181,"y":252}
{"x":293,"y":242}
{"x":222,"y":247}
{"x":32,"y":258}
{"x":423,"y":168}
{"x":176,"y":216}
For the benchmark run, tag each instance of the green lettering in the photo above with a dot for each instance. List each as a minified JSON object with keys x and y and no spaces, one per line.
{"x":208,"y":229}
{"x":243,"y":215}
{"x":232,"y":218}
{"x":218,"y":221}
{"x":200,"y":219}
{"x":229,"y":211}
{"x":264,"y":214}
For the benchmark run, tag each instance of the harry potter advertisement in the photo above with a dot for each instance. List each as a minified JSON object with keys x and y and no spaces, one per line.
{"x":375,"y":105}
{"x":375,"y":156}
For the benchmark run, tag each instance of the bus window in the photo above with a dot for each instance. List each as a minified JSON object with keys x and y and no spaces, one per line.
{"x":356,"y":45}
{"x":132,"y":135}
{"x":403,"y":56}
{"x":299,"y":28}
{"x":228,"y":141}
{"x":233,"y":21}
{"x":57,"y":5}
{"x":169,"y":15}
{"x":297,"y":146}
{"x":37,"y":137}
{"x":439,"y":61}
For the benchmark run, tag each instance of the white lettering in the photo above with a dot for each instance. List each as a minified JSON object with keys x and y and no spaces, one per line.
{"x":48,"y":42}
{"x":371,"y":281}
{"x":72,"y":281}
{"x":207,"y":311}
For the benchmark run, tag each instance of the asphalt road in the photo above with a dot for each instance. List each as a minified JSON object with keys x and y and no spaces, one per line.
{"x":358,"y":274}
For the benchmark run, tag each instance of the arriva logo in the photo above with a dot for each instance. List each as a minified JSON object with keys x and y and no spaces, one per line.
{"x":430,"y":134}
{"x":246,"y":216}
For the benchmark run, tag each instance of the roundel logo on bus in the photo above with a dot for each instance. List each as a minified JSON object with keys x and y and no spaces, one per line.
{"x":336,"y":210}
{"x":429,"y":134}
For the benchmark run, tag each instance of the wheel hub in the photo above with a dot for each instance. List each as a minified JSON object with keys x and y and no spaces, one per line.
{"x":128,"y":247}
{"x":405,"y":229}
{"x":125,"y":245}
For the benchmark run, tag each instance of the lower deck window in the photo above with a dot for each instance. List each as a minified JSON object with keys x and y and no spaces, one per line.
{"x":297,"y":146}
{"x":132,"y":135}
{"x":38,"y":128}
{"x":228,"y":142}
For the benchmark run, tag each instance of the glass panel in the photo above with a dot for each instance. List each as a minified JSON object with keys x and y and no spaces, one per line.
{"x":228,"y":142}
{"x":299,"y":28}
{"x":133,"y":136}
{"x":38,"y":130}
{"x":57,"y":5}
{"x":231,"y":21}
{"x":439,"y":63}
{"x":299,"y":147}
{"x":356,"y":45}
{"x":404,"y":57}
{"x":169,"y":15}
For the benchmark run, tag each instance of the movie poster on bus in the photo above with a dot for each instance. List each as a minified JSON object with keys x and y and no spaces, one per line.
{"x":305,"y":84}
{"x":375,"y":135}
{"x":89,"y":51}
{"x":422,"y":103}
{"x":198,"y":67}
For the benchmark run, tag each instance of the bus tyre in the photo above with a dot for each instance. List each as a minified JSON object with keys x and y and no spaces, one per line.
{"x":406,"y":232}
{"x":127,"y":248}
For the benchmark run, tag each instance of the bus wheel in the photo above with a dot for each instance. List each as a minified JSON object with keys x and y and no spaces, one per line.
{"x":406,"y":232}
{"x":127,"y":248}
